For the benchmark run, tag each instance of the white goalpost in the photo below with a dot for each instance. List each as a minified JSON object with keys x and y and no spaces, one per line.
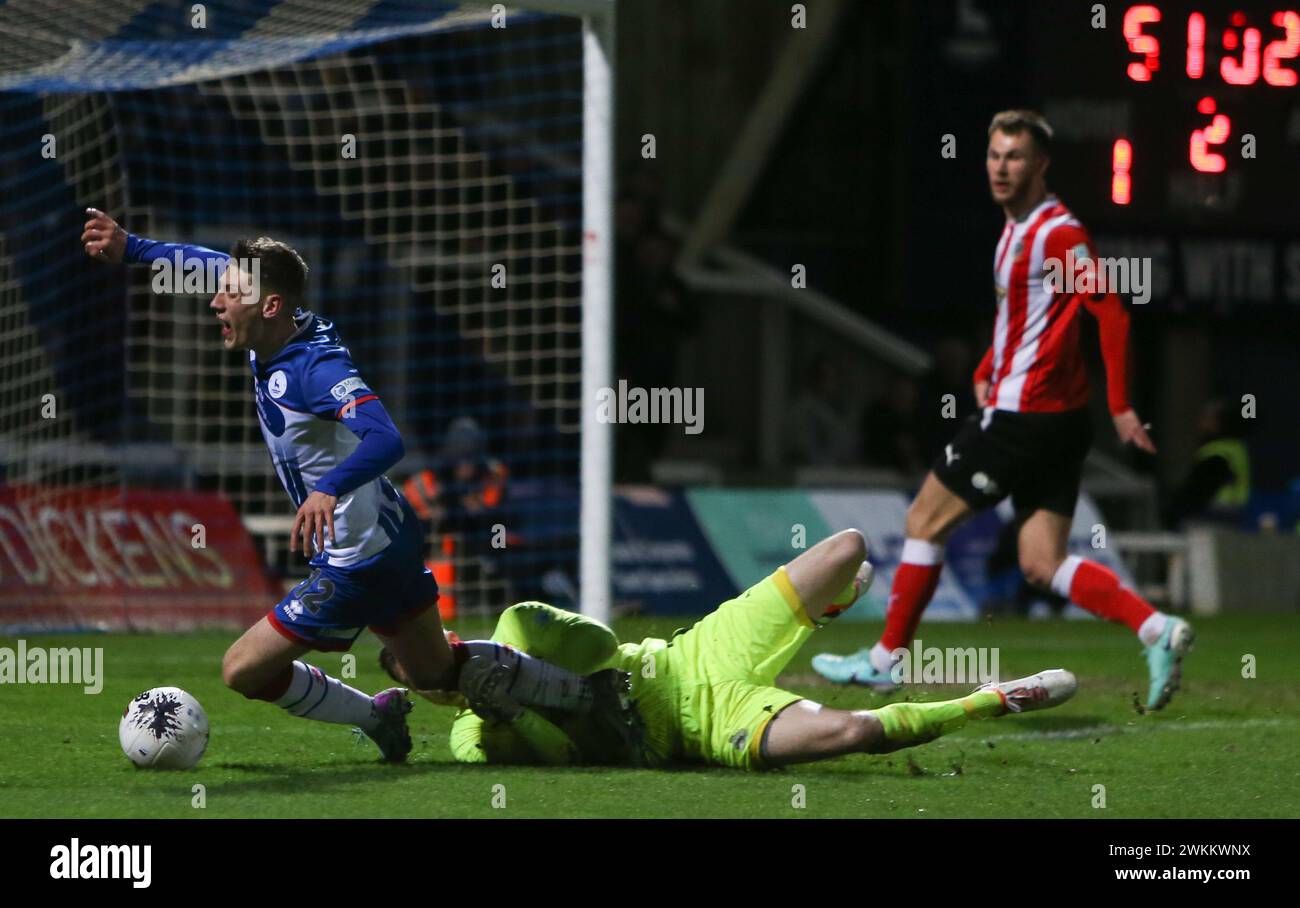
{"x":596,"y":521}
{"x":597,"y":309}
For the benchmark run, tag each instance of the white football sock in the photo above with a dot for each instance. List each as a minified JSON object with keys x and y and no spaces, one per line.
{"x":1063,"y":579}
{"x":919,"y":551}
{"x":536,"y":682}
{"x":881,"y":659}
{"x":312,"y":694}
{"x":1151,"y":629}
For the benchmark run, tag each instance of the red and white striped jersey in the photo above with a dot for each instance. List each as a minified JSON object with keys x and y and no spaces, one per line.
{"x":1035,"y":364}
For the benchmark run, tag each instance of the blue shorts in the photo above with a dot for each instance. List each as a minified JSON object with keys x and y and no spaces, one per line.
{"x":330,"y":609}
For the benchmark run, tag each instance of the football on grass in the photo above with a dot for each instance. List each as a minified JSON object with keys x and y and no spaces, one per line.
{"x":164,"y":728}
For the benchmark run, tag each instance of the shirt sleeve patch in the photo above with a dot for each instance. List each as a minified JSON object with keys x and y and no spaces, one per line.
{"x":347,"y":388}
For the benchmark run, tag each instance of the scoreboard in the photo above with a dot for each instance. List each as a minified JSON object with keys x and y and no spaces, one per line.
{"x":1176,"y":109}
{"x":1178,"y":120}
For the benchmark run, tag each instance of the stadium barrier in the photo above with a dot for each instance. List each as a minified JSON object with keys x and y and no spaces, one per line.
{"x":103,"y":559}
{"x":1232,"y":571}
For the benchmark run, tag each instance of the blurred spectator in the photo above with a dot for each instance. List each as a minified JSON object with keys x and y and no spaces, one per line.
{"x":892,"y":427}
{"x":1217,"y":487}
{"x":461,"y":497}
{"x":819,"y":431}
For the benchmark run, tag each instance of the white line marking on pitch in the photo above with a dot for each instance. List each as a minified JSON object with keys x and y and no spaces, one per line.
{"x":1093,"y":731}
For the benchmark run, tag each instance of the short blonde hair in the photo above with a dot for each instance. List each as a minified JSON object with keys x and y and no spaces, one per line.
{"x":1014,"y":122}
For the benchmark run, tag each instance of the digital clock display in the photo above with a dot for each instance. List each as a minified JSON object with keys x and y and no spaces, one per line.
{"x":1189,"y":111}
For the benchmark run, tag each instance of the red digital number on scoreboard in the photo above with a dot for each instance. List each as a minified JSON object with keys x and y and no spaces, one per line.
{"x":1245,"y":55}
{"x":1245,"y":59}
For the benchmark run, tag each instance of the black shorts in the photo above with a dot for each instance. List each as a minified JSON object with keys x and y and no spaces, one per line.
{"x":1036,"y":458}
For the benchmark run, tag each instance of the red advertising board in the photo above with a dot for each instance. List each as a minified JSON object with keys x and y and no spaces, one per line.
{"x":126,"y":559}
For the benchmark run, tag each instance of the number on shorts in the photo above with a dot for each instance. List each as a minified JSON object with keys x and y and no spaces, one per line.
{"x":313,"y":599}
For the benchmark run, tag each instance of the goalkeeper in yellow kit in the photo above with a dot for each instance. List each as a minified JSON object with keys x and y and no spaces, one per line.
{"x":709,"y":695}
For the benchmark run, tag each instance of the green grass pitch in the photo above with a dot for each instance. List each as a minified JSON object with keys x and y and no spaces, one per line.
{"x":1224,"y":748}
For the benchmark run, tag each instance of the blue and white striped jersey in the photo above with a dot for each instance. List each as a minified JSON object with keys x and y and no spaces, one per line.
{"x":305,"y":395}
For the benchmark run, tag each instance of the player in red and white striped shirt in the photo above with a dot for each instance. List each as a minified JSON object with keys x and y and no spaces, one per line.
{"x":1032,"y":434}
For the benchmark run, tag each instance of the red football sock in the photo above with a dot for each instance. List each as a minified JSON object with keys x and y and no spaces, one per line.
{"x":1097,"y":589}
{"x":915,"y":581}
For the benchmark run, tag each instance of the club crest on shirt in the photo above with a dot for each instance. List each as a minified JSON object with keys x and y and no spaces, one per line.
{"x":278,"y":384}
{"x":271,"y":415}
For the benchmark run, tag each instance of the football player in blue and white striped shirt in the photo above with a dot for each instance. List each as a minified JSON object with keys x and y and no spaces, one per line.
{"x":331,"y":440}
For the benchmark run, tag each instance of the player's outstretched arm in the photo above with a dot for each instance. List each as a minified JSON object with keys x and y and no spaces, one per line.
{"x":1113,"y":335}
{"x":1131,"y":431}
{"x":104,"y":238}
